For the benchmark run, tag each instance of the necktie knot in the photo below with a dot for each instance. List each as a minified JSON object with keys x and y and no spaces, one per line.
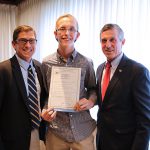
{"x":108,"y":64}
{"x":29,"y":68}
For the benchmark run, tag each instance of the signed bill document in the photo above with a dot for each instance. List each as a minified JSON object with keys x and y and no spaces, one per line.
{"x":64,"y":88}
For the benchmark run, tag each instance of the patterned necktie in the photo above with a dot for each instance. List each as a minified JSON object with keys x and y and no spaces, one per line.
{"x":33,"y":99}
{"x":106,"y":79}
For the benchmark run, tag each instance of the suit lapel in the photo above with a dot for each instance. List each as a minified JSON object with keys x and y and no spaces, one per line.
{"x":37,"y":68}
{"x":39,"y":75}
{"x":99,"y":78}
{"x":19,"y":78}
{"x":116,"y":77}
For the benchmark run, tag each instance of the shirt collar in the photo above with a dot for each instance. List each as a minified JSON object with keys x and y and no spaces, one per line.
{"x":116,"y":61}
{"x":73,"y":55}
{"x":24,"y":64}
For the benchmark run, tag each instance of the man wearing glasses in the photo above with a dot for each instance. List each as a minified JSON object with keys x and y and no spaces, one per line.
{"x":22,"y":95}
{"x":70,"y":130}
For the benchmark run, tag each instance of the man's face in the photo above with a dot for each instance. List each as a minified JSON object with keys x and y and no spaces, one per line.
{"x":66,"y":33}
{"x":24,"y":48}
{"x":111,"y":44}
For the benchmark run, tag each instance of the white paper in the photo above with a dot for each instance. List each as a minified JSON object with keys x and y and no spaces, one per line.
{"x":64,"y":88}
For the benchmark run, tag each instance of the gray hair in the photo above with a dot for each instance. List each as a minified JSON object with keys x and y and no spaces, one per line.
{"x":113,"y":26}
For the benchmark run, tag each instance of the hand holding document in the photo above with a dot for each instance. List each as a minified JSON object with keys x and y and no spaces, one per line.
{"x":64,"y":88}
{"x":84,"y":104}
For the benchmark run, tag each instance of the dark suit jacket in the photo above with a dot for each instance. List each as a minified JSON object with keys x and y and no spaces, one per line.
{"x":124,"y":115}
{"x":15,"y":123}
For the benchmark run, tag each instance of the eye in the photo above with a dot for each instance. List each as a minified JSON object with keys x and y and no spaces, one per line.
{"x":103,"y":41}
{"x":62,"y":29}
{"x":112,"y":40}
{"x":22,"y":41}
{"x":32,"y":41}
{"x":72,"y":30}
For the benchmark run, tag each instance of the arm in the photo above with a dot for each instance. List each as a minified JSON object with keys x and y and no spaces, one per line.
{"x":1,"y":144}
{"x":90,"y":85}
{"x":2,"y":91}
{"x":48,"y":114}
{"x":141,"y":94}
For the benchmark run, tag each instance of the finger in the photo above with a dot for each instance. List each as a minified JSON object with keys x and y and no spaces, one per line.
{"x":53,"y":115}
{"x":50,"y":109}
{"x":77,"y":107}
{"x":44,"y":113}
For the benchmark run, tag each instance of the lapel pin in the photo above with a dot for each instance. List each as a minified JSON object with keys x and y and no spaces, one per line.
{"x":120,"y":70}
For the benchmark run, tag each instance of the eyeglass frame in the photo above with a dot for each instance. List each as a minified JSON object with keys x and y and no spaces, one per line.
{"x":24,"y":41}
{"x":71,"y":30}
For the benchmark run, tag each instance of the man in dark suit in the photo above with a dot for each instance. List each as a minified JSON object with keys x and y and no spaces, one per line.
{"x":124,"y":111}
{"x":16,"y":130}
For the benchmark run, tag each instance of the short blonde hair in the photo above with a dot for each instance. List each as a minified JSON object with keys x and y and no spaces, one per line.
{"x":67,"y":16}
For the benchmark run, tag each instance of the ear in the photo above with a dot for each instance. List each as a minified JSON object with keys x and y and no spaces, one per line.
{"x":123,"y":41}
{"x":14,"y":44}
{"x":55,"y":33}
{"x":78,"y":34}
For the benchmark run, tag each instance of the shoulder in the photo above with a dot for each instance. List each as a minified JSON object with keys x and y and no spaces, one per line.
{"x":84,"y":58}
{"x":37,"y":63}
{"x":38,"y":66}
{"x":100,"y":68}
{"x":5,"y":65}
{"x":5,"y":71}
{"x":49,"y":57}
{"x":134,"y":69}
{"x":134,"y":65}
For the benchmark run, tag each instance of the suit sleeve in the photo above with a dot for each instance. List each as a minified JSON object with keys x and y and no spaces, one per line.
{"x":2,"y":89}
{"x":141,"y":97}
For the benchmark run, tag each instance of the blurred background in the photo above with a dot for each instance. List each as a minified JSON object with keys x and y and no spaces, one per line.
{"x":133,"y":16}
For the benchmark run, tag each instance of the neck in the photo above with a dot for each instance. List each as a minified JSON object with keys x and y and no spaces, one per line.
{"x":110,"y":60}
{"x":66,"y":53}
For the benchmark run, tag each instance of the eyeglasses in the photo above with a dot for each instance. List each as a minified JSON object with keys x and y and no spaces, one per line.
{"x":64,"y":30}
{"x":23,"y":41}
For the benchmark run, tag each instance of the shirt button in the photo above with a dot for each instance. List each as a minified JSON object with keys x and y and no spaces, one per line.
{"x":72,"y":127}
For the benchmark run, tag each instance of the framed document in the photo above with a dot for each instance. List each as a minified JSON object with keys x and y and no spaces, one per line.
{"x":64,"y":88}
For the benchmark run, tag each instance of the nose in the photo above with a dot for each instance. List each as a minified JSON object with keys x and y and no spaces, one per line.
{"x":27,"y":44}
{"x":108,"y":44}
{"x":67,"y":31}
